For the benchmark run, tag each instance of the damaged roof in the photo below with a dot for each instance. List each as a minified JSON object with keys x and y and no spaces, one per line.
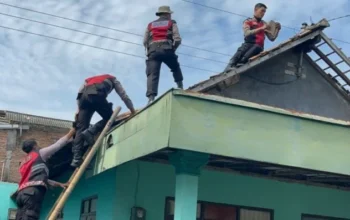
{"x":310,"y":35}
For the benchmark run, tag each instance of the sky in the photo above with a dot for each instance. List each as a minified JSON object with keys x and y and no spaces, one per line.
{"x":41,"y":76}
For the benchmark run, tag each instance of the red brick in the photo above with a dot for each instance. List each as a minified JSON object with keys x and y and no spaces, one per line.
{"x":45,"y":136}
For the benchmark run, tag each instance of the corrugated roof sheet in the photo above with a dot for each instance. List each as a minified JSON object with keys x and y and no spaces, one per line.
{"x":16,"y":117}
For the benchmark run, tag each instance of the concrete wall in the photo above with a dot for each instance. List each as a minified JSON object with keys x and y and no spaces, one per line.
{"x":148,"y":184}
{"x":6,"y":189}
{"x":102,"y":186}
{"x":288,"y":200}
{"x":312,"y":94}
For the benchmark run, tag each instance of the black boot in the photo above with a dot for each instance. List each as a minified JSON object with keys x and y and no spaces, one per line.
{"x":180,"y":85}
{"x":77,"y":159}
{"x":88,"y":137}
{"x":76,"y":163}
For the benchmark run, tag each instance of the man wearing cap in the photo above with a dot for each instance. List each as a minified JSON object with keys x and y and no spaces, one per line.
{"x":35,"y":177}
{"x":254,"y":30}
{"x":161,"y":40}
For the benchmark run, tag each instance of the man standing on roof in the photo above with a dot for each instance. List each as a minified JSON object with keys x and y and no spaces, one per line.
{"x":92,"y":96}
{"x":35,"y":177}
{"x":255,"y":30}
{"x":161,"y":40}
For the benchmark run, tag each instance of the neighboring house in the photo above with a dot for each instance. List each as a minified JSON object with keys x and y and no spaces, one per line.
{"x":14,"y":128}
{"x":267,"y":141}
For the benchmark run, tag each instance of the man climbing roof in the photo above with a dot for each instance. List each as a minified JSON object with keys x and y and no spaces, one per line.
{"x":35,"y":176}
{"x":92,"y":96}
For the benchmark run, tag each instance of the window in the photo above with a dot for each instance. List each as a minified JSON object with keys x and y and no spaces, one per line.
{"x":214,"y":211}
{"x":170,"y":209}
{"x":109,"y":141}
{"x":12,"y":214}
{"x":88,"y":209}
{"x":317,"y":217}
{"x":246,"y":214}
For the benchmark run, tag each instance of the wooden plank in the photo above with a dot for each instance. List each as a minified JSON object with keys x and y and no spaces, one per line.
{"x":318,"y":45}
{"x":334,"y":64}
{"x":325,"y":55}
{"x":334,"y":47}
{"x":331,"y":64}
{"x":80,"y":171}
{"x":329,"y":79}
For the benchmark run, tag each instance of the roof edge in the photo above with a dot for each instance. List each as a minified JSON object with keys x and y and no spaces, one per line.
{"x":267,"y":108}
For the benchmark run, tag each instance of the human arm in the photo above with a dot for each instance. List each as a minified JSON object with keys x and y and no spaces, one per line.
{"x":57,"y":184}
{"x":176,"y":35}
{"x":47,"y":152}
{"x":247,"y":28}
{"x":145,"y":38}
{"x":122,"y":94}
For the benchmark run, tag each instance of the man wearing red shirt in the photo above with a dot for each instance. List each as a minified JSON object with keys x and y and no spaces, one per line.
{"x":255,"y":30}
{"x":35,"y":177}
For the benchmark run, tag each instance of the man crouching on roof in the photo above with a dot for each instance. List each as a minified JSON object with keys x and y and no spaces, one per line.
{"x":255,"y":30}
{"x":35,"y":177}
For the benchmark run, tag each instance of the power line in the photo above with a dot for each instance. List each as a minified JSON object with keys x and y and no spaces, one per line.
{"x":101,"y":26}
{"x":337,"y":18}
{"x":230,"y":12}
{"x":100,"y":48}
{"x":244,"y":16}
{"x":101,"y":36}
{"x":342,"y":41}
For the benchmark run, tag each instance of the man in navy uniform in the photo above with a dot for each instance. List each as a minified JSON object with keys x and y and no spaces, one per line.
{"x":161,"y":40}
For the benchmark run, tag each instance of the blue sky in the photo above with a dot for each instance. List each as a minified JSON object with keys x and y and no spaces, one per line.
{"x":41,"y":76}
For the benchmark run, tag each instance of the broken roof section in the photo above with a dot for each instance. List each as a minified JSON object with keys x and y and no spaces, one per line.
{"x":310,"y":36}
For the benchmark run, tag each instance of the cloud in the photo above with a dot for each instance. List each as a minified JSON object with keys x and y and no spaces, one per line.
{"x":41,"y":76}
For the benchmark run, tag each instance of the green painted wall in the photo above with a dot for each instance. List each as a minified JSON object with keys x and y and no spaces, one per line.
{"x":258,"y":135}
{"x":102,"y":185}
{"x":6,"y":189}
{"x":119,"y":190}
{"x":136,"y":137}
{"x":288,"y":200}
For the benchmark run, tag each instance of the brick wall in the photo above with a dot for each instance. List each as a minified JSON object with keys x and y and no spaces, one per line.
{"x":3,"y":141}
{"x":45,"y":136}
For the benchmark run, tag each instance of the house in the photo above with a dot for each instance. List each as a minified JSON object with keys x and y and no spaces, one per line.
{"x":268,"y":140}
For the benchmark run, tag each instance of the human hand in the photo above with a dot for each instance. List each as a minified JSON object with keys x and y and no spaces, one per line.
{"x":63,"y":185}
{"x":278,"y":25}
{"x":264,"y":27}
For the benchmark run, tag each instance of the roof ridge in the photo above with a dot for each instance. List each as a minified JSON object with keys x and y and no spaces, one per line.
{"x":30,"y":115}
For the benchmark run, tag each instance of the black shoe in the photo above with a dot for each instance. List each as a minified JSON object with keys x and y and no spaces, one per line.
{"x":180,"y":85}
{"x":88,"y":137}
{"x":76,"y":162}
